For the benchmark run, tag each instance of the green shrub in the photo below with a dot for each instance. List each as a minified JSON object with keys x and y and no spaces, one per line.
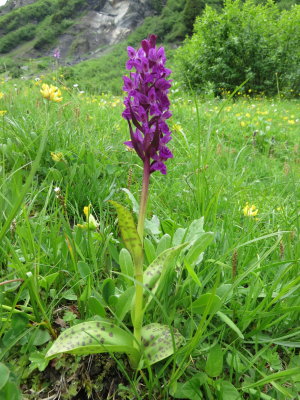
{"x":13,"y":39}
{"x":245,"y":41}
{"x":35,"y":12}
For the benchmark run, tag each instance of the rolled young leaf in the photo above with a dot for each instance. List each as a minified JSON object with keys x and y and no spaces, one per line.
{"x":129,"y":232}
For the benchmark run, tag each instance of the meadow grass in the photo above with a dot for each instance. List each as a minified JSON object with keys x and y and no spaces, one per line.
{"x":227,"y":153}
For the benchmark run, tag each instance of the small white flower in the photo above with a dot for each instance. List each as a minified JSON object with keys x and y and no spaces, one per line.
{"x":56,"y":189}
{"x":75,"y":85}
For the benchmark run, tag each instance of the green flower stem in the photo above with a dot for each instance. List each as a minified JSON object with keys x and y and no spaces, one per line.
{"x":143,"y":201}
{"x":138,"y":264}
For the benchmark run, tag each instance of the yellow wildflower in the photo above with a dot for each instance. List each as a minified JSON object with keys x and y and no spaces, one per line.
{"x":250,"y":211}
{"x":91,"y":220}
{"x":1,"y":95}
{"x":176,"y":127}
{"x":57,"y":156}
{"x":291,"y":121}
{"x":2,"y":113}
{"x":243,"y":123}
{"x":247,"y":115}
{"x":51,"y":93}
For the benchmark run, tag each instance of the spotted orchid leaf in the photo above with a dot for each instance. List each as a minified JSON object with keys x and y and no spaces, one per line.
{"x":159,"y":342}
{"x":93,"y":337}
{"x":128,"y":231}
{"x":154,"y":274}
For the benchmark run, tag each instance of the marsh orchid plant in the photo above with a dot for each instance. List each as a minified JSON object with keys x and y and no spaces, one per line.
{"x":146,"y":111}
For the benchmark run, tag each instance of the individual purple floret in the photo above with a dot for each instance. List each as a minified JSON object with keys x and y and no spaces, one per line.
{"x":147,"y":104}
{"x":56,"y":53}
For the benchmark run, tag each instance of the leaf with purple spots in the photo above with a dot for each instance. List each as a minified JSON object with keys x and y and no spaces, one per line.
{"x":128,"y":231}
{"x":93,"y":337}
{"x":159,"y":342}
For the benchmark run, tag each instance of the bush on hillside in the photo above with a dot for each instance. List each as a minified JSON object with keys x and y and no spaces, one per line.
{"x":35,"y":12}
{"x":244,"y":41}
{"x":13,"y":39}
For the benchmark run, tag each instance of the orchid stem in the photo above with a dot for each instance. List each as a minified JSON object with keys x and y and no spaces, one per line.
{"x":143,"y":201}
{"x":138,"y":305}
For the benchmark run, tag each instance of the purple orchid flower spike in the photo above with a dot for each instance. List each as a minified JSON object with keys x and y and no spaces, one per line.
{"x":147,"y":104}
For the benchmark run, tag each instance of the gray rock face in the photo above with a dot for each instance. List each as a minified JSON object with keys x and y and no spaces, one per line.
{"x":107,"y":23}
{"x":13,"y":4}
{"x":102,"y":23}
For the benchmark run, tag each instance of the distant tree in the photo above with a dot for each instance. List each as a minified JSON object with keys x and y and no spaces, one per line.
{"x":157,"y":5}
{"x":192,"y":9}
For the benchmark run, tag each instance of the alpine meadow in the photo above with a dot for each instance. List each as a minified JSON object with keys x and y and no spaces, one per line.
{"x":150,"y":213}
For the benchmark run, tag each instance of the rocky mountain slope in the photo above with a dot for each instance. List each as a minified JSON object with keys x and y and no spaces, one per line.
{"x":78,"y":28}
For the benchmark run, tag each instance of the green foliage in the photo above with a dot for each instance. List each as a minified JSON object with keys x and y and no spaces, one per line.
{"x":13,"y":39}
{"x":35,"y":12}
{"x":236,"y":304}
{"x":192,"y":9}
{"x":43,"y":20}
{"x":157,"y":5}
{"x":246,"y":41}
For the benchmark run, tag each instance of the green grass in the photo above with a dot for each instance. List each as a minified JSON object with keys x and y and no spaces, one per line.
{"x":225,"y":154}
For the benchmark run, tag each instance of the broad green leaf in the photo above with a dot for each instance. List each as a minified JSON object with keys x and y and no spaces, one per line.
{"x":126,"y":266}
{"x":295,"y":363}
{"x":87,"y":291}
{"x":194,"y":230}
{"x":38,"y":361}
{"x":70,"y":295}
{"x":95,"y":307}
{"x":40,"y":336}
{"x":225,"y":291}
{"x":214,"y":362}
{"x":228,"y":391}
{"x":163,"y":244}
{"x":19,"y":323}
{"x":230,"y":323}
{"x":83,"y":269}
{"x":234,"y":361}
{"x":135,"y":204}
{"x":108,"y":289}
{"x":93,"y":337}
{"x":128,"y":231}
{"x":158,"y":342}
{"x":149,"y":250}
{"x":124,"y":303}
{"x":153,"y":274}
{"x":207,"y":302}
{"x":10,"y":391}
{"x":169,"y":226}
{"x":46,"y":281}
{"x":4,"y":374}
{"x":193,"y":255}
{"x":190,"y":389}
{"x":153,"y":225}
{"x":178,"y":236}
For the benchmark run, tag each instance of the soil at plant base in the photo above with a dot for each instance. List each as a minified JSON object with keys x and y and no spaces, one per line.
{"x":92,"y":377}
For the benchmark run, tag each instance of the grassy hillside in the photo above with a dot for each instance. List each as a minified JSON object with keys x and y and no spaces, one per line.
{"x":236,"y":304}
